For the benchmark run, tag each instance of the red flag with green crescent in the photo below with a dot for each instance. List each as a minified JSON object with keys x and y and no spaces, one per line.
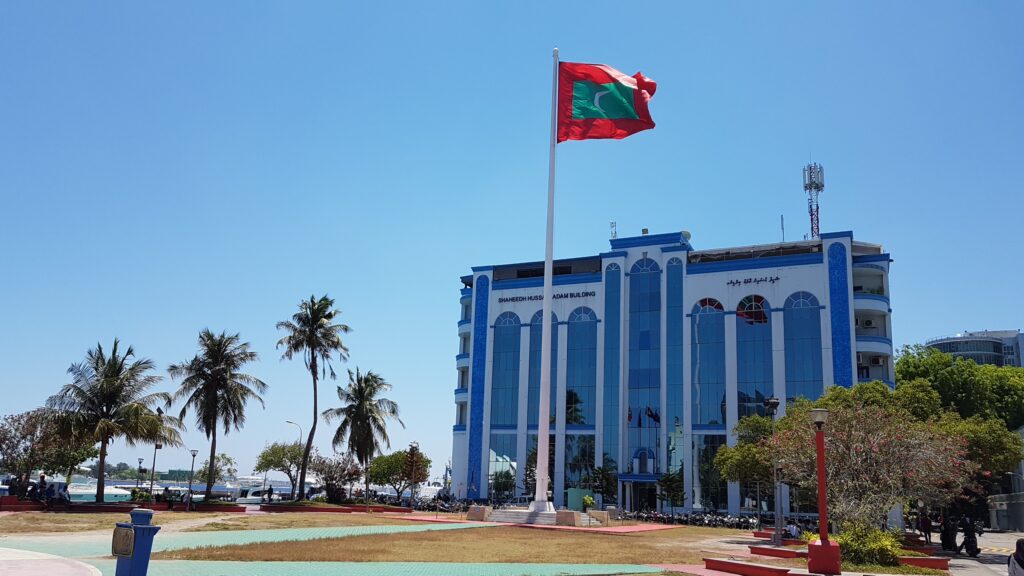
{"x":598,"y":101}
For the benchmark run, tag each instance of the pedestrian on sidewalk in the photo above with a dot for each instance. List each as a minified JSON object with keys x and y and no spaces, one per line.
{"x":925,"y":526}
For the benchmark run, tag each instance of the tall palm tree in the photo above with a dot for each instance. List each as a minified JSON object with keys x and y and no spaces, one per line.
{"x":312,"y":333}
{"x":215,"y":389}
{"x":108,"y":398}
{"x":363,"y":417}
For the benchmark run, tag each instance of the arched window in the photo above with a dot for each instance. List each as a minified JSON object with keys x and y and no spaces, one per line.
{"x":644,"y":372}
{"x":533,"y":382}
{"x":675,"y":318}
{"x":505,"y":370}
{"x":707,"y":362}
{"x":613,"y":267}
{"x":802,"y":327}
{"x":612,"y":326}
{"x":581,"y":368}
{"x":754,"y":379}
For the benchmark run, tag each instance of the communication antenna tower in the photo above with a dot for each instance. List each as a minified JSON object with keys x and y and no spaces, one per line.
{"x":615,"y":233}
{"x":814,"y":184}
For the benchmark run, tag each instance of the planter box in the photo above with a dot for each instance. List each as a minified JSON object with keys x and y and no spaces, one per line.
{"x":478,"y":513}
{"x":200,"y":507}
{"x":935,"y":562}
{"x":744,"y":568}
{"x":287,"y":508}
{"x":777,"y":552}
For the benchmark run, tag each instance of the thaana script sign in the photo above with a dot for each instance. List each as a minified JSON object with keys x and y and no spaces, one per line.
{"x":123,"y":543}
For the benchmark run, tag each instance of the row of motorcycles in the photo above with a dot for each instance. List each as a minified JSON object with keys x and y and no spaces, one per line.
{"x":710,"y":520}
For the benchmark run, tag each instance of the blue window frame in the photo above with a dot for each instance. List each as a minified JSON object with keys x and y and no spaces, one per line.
{"x":707,"y":362}
{"x":505,"y":370}
{"x":754,"y":380}
{"x":612,"y":359}
{"x":581,"y":368}
{"x":644,"y":409}
{"x":802,"y":327}
{"x":533,"y":388}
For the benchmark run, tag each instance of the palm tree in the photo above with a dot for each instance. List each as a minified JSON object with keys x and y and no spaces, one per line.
{"x":213,"y":387}
{"x":312,"y":333}
{"x":363,"y":418}
{"x":109,"y":398}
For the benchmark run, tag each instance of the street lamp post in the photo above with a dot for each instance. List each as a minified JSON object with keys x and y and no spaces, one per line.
{"x":294,"y":486}
{"x":414,"y":449}
{"x":771,"y":407}
{"x":152,"y":470}
{"x":192,"y":471}
{"x":823,"y":554}
{"x":138,"y":475}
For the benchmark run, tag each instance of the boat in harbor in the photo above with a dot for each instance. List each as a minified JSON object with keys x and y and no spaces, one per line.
{"x":86,"y":492}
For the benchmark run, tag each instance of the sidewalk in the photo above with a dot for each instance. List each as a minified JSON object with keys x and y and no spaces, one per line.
{"x":24,"y":563}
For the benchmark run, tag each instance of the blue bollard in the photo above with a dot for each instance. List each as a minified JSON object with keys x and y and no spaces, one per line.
{"x":138,"y":563}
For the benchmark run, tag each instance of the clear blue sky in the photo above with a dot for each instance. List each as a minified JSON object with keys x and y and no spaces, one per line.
{"x":166,"y":167}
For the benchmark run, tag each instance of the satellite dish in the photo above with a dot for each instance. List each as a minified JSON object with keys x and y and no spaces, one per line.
{"x":687,"y":235}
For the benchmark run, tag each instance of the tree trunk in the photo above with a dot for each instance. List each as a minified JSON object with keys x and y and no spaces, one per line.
{"x":312,"y":431}
{"x":366,"y":492}
{"x":211,"y":469}
{"x":100,"y":480}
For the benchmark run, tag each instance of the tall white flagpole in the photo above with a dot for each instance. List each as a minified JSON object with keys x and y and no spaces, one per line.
{"x":540,"y":498}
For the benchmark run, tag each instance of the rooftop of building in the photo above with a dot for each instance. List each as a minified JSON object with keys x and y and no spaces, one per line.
{"x":681,"y":240}
{"x":979,"y":334}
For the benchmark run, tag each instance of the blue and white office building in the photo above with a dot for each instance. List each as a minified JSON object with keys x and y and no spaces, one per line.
{"x":658,"y":349}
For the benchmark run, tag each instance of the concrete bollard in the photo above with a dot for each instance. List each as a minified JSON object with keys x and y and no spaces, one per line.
{"x":133,"y":543}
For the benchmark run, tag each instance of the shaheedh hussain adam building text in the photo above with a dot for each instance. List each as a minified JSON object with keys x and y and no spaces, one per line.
{"x":657,"y":350}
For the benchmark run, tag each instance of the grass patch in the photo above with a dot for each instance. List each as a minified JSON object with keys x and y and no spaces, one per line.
{"x":496,"y":544}
{"x":26,"y":522}
{"x":876,"y":569}
{"x":299,"y":520}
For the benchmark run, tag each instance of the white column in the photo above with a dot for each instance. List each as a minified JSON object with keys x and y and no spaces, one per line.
{"x":485,"y":441}
{"x":779,"y":359}
{"x":663,"y":462}
{"x":827,"y":375}
{"x":524,"y":404}
{"x":731,"y":407}
{"x":563,"y":348}
{"x":599,"y":396}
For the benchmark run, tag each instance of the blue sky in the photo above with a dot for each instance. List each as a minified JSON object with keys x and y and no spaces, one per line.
{"x":166,"y":167}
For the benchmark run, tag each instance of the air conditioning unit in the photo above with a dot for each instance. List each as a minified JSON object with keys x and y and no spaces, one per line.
{"x":856,"y":322}
{"x":860,"y":359}
{"x":878,"y":361}
{"x":869,"y":323}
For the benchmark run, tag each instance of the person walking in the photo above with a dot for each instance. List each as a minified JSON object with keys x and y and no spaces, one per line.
{"x":186,"y":499}
{"x":1015,"y":563}
{"x":970,"y":543}
{"x":925,"y":527}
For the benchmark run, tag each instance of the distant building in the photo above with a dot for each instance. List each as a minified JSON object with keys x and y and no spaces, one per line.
{"x":998,"y":347}
{"x":658,"y":350}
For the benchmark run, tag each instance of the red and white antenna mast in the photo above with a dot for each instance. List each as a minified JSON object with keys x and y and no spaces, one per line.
{"x":814,"y":184}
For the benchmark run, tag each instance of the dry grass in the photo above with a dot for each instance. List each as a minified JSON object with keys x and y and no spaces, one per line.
{"x":28,"y":522}
{"x":498,"y":544}
{"x":299,"y":520}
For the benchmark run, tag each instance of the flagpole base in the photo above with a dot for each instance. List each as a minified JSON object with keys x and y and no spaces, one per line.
{"x":541,"y":506}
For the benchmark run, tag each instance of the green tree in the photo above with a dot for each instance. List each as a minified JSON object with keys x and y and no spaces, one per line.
{"x":503,"y":482}
{"x":670,"y":489}
{"x":749,"y":460}
{"x":605,"y":480}
{"x":313,"y":334}
{"x":957,"y":380}
{"x":918,"y":398}
{"x":222,"y":468}
{"x":109,"y":398}
{"x":33,"y":441}
{"x":363,"y":417}
{"x":284,"y":457}
{"x":336,"y":473}
{"x":989,"y":444}
{"x":215,"y":389}
{"x":399,"y":470}
{"x":1007,"y":386}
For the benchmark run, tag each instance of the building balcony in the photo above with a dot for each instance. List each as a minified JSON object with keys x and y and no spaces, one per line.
{"x":462,"y":360}
{"x":465,"y":327}
{"x":874,"y":345}
{"x":459,"y":428}
{"x":865,"y":301}
{"x":461,"y":394}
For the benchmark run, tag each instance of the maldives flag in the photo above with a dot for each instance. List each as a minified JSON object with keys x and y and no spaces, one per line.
{"x":598,"y":101}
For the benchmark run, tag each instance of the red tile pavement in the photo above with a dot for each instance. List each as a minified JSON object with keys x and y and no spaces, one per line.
{"x":695,"y":569}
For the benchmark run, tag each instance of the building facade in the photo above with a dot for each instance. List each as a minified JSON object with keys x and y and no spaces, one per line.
{"x":657,"y":350}
{"x":998,"y":347}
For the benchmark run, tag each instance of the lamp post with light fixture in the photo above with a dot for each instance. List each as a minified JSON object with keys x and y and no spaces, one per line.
{"x":771,"y":407}
{"x":822,"y":555}
{"x":192,"y":471}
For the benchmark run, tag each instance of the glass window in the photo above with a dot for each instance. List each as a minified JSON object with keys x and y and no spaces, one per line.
{"x":579,"y":462}
{"x":529,"y":482}
{"x":505,"y":371}
{"x":707,"y":362}
{"x":710,"y":492}
{"x":502,"y":469}
{"x":802,"y":327}
{"x":581,"y":368}
{"x":533,"y":390}
{"x":754,"y":380}
{"x":643,"y":413}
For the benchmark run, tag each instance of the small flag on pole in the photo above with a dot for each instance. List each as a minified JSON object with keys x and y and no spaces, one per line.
{"x":598,"y":101}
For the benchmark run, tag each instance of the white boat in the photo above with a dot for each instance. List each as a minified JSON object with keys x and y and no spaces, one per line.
{"x":255,"y":495}
{"x":86,"y":492}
